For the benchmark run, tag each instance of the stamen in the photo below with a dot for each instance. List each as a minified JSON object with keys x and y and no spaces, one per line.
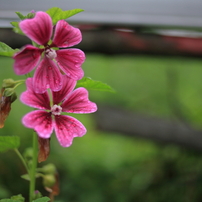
{"x":50,"y":53}
{"x":56,"y":110}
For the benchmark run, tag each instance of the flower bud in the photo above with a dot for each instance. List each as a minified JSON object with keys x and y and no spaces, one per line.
{"x":8,"y":83}
{"x":31,"y":14}
{"x":5,"y":106}
{"x":37,"y":194}
{"x":8,"y":92}
{"x":49,"y":169}
{"x":49,"y":180}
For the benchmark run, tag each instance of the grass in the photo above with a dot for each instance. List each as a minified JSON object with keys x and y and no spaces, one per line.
{"x":168,"y":87}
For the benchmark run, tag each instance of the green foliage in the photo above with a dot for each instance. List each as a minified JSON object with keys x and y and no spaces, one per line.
{"x":103,"y":167}
{"x":43,"y":199}
{"x":6,"y":50}
{"x":9,"y":142}
{"x":18,"y":197}
{"x":90,"y":84}
{"x":58,"y":14}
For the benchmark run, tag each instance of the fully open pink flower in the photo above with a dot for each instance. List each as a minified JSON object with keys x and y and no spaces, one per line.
{"x":48,"y":117}
{"x":49,"y":60}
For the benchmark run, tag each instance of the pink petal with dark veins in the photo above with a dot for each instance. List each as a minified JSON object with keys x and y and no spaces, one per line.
{"x":40,"y":121}
{"x":67,"y":88}
{"x":39,"y":28}
{"x":70,"y":61}
{"x":66,"y":35}
{"x":78,"y":102}
{"x":47,"y":75}
{"x":66,"y":128}
{"x":27,"y":59}
{"x":35,"y":100}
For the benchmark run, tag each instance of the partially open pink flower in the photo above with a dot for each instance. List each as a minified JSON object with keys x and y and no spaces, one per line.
{"x":49,"y":59}
{"x":49,"y":117}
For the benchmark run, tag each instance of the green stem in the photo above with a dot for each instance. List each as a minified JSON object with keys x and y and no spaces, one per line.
{"x":22,"y":159}
{"x":33,"y":168}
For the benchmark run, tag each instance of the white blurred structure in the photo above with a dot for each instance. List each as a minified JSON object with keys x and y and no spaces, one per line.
{"x":183,"y":13}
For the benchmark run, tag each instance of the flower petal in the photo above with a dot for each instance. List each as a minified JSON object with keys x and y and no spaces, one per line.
{"x":66,"y":128}
{"x":39,"y":28}
{"x":32,"y":99}
{"x":47,"y":75}
{"x":40,"y":121}
{"x":78,"y":102}
{"x":26,"y":59}
{"x":67,"y":87}
{"x":65,"y":35}
{"x":70,"y":61}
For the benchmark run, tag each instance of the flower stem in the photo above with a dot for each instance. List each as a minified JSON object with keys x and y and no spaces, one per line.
{"x":22,"y":159}
{"x":33,"y":168}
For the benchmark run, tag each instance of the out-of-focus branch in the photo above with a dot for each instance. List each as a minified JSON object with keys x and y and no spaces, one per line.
{"x":157,"y":129}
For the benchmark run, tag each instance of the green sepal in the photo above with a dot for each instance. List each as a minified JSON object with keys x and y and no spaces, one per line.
{"x":58,"y":14}
{"x":16,"y":28}
{"x":23,"y":17}
{"x":9,"y":142}
{"x":8,"y":92}
{"x":91,"y":84}
{"x":6,"y":50}
{"x":20,"y":15}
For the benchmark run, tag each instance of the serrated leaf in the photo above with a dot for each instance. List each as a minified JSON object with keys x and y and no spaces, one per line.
{"x":58,"y":14}
{"x":6,"y":50}
{"x":43,"y":199}
{"x":90,"y":84}
{"x":16,"y":28}
{"x":18,"y":197}
{"x":9,"y":142}
{"x":9,"y":200}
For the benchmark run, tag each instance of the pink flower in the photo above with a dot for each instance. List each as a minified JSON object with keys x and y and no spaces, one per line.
{"x":48,"y":117}
{"x":49,"y":60}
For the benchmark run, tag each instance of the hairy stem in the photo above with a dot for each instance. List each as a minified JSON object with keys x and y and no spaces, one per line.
{"x":33,"y":168}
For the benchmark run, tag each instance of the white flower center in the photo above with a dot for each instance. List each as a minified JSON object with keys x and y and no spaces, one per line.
{"x":50,"y":53}
{"x":56,"y":110}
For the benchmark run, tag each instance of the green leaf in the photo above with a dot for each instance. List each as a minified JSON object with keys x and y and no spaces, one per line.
{"x":94,"y":85}
{"x":6,"y":50}
{"x":43,"y":199}
{"x":16,"y":28}
{"x":58,"y":14}
{"x":9,"y":200}
{"x":27,"y":177}
{"x":9,"y":142}
{"x":18,"y":197}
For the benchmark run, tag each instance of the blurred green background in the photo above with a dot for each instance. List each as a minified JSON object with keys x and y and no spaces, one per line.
{"x":105,"y":167}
